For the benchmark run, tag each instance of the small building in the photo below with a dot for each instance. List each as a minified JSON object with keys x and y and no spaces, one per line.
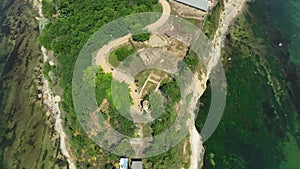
{"x":123,"y":163}
{"x":137,"y":164}
{"x":169,"y":33}
{"x":198,"y":4}
{"x":145,"y":105}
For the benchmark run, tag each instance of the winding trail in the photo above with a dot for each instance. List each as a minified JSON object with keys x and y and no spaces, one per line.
{"x":104,"y":51}
{"x":232,"y":10}
{"x":103,"y":60}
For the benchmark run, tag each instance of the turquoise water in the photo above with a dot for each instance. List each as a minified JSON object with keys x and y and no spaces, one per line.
{"x":257,"y":130}
{"x":285,"y":15}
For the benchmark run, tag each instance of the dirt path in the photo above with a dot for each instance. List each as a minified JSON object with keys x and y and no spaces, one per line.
{"x":103,"y":53}
{"x":231,"y":12}
{"x":102,"y":60}
{"x":163,"y":19}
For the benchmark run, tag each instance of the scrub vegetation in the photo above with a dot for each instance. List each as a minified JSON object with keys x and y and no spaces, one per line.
{"x":212,"y":20}
{"x":65,"y":35}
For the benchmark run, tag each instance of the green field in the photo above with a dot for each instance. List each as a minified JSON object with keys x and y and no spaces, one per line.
{"x":118,"y":55}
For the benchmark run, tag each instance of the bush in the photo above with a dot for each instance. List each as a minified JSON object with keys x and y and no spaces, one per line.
{"x":123,"y":52}
{"x":48,"y":8}
{"x":191,"y":60}
{"x":172,"y":91}
{"x":141,"y":37}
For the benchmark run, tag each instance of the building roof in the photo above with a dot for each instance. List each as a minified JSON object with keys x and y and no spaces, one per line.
{"x":137,"y":165}
{"x":123,"y":163}
{"x":199,"y":4}
{"x":169,"y":33}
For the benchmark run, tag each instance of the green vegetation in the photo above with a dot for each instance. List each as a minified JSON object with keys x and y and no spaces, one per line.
{"x":177,"y":157}
{"x":141,"y":37}
{"x":104,"y":85}
{"x":147,"y":132}
{"x":49,"y":72}
{"x":121,"y":96}
{"x":65,"y":36}
{"x":123,"y":52}
{"x":212,"y":20}
{"x":156,"y":103}
{"x":113,"y":60}
{"x":149,"y":87}
{"x":48,"y":8}
{"x":120,"y":54}
{"x":204,"y":107}
{"x":157,"y":8}
{"x":46,"y":70}
{"x":171,"y":90}
{"x":191,"y":60}
{"x":89,"y":75}
{"x":195,"y":22}
{"x":141,"y":77}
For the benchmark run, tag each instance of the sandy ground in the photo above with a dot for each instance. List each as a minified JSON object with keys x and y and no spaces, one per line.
{"x":187,"y":11}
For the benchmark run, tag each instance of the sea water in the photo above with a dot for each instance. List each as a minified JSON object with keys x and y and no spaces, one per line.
{"x":285,"y":15}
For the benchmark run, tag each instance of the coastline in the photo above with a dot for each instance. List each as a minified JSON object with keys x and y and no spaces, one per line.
{"x":23,"y":123}
{"x":232,"y":10}
{"x":52,"y":102}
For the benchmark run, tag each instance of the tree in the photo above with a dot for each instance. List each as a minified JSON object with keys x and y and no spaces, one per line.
{"x":172,"y":91}
{"x":48,"y":8}
{"x":141,"y":37}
